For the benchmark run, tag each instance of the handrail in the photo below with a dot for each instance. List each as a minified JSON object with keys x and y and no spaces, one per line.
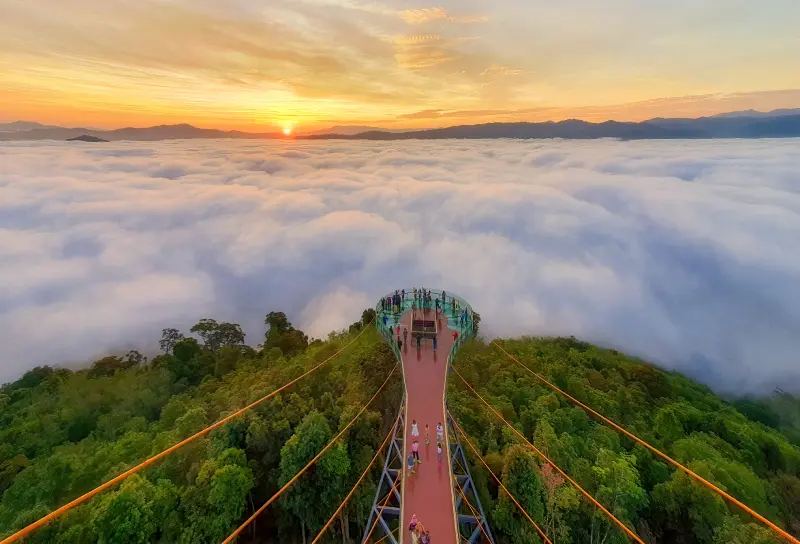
{"x":410,"y":297}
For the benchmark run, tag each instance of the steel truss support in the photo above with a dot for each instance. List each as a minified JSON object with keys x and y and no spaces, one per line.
{"x":386,"y":506}
{"x":469,"y":525}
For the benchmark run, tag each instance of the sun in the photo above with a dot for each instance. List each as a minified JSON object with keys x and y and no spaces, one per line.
{"x":287,"y":131}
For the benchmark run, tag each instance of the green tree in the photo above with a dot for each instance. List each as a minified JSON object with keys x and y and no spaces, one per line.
{"x":522,"y":479}
{"x":310,"y":498}
{"x":125,"y":516}
{"x":216,"y":335}
{"x":281,"y":334}
{"x":169,"y":337}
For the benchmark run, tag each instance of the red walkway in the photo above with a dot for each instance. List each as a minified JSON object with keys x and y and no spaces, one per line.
{"x":429,"y":492}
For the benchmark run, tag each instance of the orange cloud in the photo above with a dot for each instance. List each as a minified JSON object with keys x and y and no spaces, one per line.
{"x":496,"y":69}
{"x":427,"y":15}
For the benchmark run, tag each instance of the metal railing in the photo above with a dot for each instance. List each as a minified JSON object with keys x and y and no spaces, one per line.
{"x":393,"y":312}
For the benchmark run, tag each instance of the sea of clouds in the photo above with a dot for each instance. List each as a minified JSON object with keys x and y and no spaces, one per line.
{"x":686,"y":253}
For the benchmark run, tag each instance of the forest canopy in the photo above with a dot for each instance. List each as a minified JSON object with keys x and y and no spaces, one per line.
{"x":63,"y":432}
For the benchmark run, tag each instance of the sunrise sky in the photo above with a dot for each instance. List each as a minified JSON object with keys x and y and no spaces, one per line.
{"x":264,"y":65}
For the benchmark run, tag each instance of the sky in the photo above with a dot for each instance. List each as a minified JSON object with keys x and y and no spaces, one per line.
{"x":681,"y":252}
{"x":266,"y":65}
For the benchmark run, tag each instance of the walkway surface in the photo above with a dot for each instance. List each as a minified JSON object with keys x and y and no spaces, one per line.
{"x":429,"y":492}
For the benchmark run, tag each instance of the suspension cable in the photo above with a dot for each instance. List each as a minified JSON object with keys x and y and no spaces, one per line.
{"x":472,"y":510}
{"x":297,"y":476}
{"x":353,"y":490}
{"x":658,"y":452}
{"x":585,"y":493}
{"x":99,"y":489}
{"x":499,"y":482}
{"x":385,"y":502}
{"x":387,"y":535}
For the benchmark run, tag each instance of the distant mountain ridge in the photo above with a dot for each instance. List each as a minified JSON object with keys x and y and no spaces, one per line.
{"x":352,"y":129}
{"x":754,"y":113}
{"x":160,"y":132}
{"x":702,"y":128}
{"x":747,"y":124}
{"x":18,"y":126}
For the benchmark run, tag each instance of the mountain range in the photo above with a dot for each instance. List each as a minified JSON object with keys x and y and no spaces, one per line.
{"x":161,"y":132}
{"x":746,"y":124}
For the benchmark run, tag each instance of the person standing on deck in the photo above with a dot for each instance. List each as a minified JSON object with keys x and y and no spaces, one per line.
{"x":427,"y":434}
{"x":399,"y":344}
{"x":405,"y":335}
{"x":403,"y":295}
{"x":411,"y":465}
{"x":440,"y":433}
{"x":455,"y":336}
{"x":439,"y":451}
{"x":434,"y":344}
{"x":414,"y":429}
{"x":444,"y":298}
{"x":385,"y":320}
{"x":418,"y":342}
{"x":415,"y":452}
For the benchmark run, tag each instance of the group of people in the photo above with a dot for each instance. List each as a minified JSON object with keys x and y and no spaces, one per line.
{"x":413,"y":458}
{"x":423,"y":299}
{"x":419,"y":535}
{"x":394,"y":302}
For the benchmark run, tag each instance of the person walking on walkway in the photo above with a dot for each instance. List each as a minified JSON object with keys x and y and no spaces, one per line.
{"x":440,"y":433}
{"x":455,"y":336}
{"x":385,"y":320}
{"x":415,"y":452}
{"x":418,"y":342}
{"x":439,"y":451}
{"x":411,"y":465}
{"x":434,"y":344}
{"x":425,"y":538}
{"x":405,"y":335}
{"x":427,"y":434}
{"x":414,"y":429}
{"x":399,"y":344}
{"x":419,"y":532}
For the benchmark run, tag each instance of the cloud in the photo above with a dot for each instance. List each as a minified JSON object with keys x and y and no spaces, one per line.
{"x":498,"y":70}
{"x":684,"y":253}
{"x":428,"y":15}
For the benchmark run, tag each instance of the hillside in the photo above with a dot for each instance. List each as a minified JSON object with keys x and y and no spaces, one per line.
{"x":63,"y":432}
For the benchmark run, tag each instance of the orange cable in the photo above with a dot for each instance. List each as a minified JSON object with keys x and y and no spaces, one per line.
{"x":86,"y":496}
{"x":471,"y":509}
{"x":314,"y":460}
{"x":624,"y":527}
{"x":385,"y":502}
{"x":384,"y":537}
{"x":658,"y":452}
{"x":353,"y":490}
{"x":500,"y":483}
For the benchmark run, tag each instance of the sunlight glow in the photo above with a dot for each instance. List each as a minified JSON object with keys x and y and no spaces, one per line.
{"x":287,"y":131}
